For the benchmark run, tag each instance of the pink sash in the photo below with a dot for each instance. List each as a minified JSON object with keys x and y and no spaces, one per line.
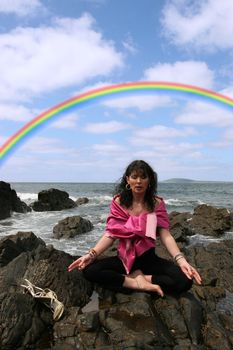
{"x":136,"y":234}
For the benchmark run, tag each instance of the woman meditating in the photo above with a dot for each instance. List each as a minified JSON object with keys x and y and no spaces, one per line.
{"x":137,"y":215}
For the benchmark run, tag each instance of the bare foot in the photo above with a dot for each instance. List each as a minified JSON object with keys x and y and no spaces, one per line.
{"x":144,"y":283}
{"x":140,"y":273}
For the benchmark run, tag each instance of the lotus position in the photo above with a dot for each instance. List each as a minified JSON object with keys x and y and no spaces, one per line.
{"x":137,"y":217}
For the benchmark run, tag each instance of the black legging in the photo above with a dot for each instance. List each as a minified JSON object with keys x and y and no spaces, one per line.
{"x":110,"y":272}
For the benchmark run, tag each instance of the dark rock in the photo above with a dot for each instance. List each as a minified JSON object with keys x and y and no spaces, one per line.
{"x":82,"y":200}
{"x":20,"y":320}
{"x":179,"y":225}
{"x":208,"y":220}
{"x":52,"y":200}
{"x":9,"y":201}
{"x":214,"y":334}
{"x":200,"y":319}
{"x":72,"y":226}
{"x":192,"y":312}
{"x":215,"y":262}
{"x":14,"y":245}
{"x":23,"y":320}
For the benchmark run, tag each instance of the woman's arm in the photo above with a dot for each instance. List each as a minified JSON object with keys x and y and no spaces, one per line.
{"x":170,"y":244}
{"x":103,"y":244}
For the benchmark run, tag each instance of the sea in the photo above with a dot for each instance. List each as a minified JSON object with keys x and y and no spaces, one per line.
{"x":178,"y":196}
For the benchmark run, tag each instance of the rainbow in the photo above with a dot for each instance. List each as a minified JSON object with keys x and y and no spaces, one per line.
{"x":96,"y":94}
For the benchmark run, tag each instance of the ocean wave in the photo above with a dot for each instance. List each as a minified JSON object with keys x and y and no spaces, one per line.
{"x":100,"y":200}
{"x":205,"y":240}
{"x":174,"y":202}
{"x":27,"y":197}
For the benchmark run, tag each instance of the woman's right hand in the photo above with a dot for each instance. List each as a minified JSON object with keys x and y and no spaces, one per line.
{"x":81,"y":262}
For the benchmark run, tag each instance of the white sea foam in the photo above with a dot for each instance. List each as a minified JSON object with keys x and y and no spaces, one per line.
{"x":174,"y":202}
{"x":27,"y":197}
{"x":204,"y":240}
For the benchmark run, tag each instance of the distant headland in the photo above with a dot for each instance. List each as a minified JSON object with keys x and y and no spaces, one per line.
{"x":179,"y":180}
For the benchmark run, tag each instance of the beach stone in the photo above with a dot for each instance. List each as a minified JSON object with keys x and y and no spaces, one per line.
{"x":53,"y":200}
{"x":10,"y":202}
{"x":208,"y":220}
{"x":82,"y":200}
{"x":71,"y":227}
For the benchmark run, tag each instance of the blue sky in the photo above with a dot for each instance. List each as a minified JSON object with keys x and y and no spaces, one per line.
{"x":55,"y":49}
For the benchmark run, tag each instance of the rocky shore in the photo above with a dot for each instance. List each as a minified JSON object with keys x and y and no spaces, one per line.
{"x":95,"y":318}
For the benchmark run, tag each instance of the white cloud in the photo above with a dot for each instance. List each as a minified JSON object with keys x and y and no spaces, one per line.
{"x":15,"y":112}
{"x":68,"y":121}
{"x":225,"y":140}
{"x":167,"y":148}
{"x":20,"y":7}
{"x":96,"y":86}
{"x":106,"y":128}
{"x":160,"y":132}
{"x":161,"y":141}
{"x":46,"y":146}
{"x":186,"y":72}
{"x":206,"y":24}
{"x":228,"y":92}
{"x":143,"y":102}
{"x":109,"y":148}
{"x":2,"y":139}
{"x":129,"y":44}
{"x":200,"y":113}
{"x":40,"y":60}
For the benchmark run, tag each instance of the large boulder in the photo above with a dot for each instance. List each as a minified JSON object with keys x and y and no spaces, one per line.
{"x":10,"y":202}
{"x":52,"y":200}
{"x":25,"y":321}
{"x":72,"y":226}
{"x":208,"y":220}
{"x":205,"y":220}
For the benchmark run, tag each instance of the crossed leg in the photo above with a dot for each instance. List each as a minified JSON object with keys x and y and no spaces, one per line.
{"x":143,"y":282}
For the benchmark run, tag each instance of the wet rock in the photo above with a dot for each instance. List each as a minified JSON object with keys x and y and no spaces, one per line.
{"x":82,"y":200}
{"x":20,"y":320}
{"x":52,"y":200}
{"x":24,"y":320}
{"x":208,"y":220}
{"x":214,"y":334}
{"x":10,"y":202}
{"x":179,"y":225}
{"x":71,"y":227}
{"x":13,"y":245}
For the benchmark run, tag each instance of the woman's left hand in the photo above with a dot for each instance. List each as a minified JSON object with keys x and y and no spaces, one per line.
{"x":189,"y":271}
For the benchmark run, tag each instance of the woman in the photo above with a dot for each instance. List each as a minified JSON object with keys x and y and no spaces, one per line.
{"x":136,"y":216}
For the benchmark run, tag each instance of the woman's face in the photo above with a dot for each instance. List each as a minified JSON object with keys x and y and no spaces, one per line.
{"x":138,"y":182}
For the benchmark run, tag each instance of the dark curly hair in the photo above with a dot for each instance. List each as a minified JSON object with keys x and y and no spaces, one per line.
{"x":144,"y":169}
